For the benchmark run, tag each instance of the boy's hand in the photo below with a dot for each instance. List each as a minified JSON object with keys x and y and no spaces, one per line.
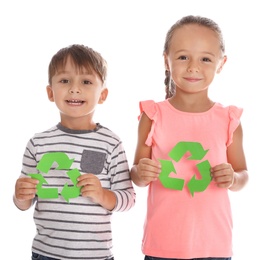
{"x":91,"y":187}
{"x":25,"y":188}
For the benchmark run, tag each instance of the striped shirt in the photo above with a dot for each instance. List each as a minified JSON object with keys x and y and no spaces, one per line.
{"x":71,"y":226}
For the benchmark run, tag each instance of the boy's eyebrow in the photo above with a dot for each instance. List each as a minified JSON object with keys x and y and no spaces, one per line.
{"x":79,"y":71}
{"x":58,"y":72}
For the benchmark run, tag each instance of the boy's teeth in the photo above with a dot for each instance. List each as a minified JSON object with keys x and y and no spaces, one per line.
{"x":75,"y":101}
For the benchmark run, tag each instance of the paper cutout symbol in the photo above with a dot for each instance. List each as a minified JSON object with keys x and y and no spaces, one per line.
{"x":197,"y":153}
{"x":64,"y":163}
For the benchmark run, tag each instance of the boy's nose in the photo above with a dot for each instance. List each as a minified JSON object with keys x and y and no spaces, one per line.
{"x":74,"y":89}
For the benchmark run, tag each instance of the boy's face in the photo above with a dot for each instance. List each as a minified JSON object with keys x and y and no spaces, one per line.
{"x":76,"y":94}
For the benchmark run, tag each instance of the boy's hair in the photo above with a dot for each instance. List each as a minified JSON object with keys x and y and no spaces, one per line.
{"x":190,"y":19}
{"x":82,"y":57}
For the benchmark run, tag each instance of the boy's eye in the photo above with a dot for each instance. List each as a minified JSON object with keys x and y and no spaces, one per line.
{"x":64,"y":81}
{"x":206,"y":59}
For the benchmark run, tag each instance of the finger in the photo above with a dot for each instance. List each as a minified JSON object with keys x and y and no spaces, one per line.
{"x":25,"y":193}
{"x":149,"y":169}
{"x":85,"y":176}
{"x":149,"y":164}
{"x":89,"y":182}
{"x":28,"y":183}
{"x":25,"y":197}
{"x":85,"y":179}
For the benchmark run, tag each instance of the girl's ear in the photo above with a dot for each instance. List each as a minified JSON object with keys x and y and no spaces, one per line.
{"x":50,"y":93}
{"x":103,"y":95}
{"x":166,"y":62}
{"x":222,"y":63}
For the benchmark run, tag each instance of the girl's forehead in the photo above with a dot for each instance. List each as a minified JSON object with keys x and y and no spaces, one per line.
{"x":195,"y":31}
{"x":194,"y":37}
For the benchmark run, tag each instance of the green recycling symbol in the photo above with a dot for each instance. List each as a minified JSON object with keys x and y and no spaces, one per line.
{"x":197,"y":153}
{"x":64,"y":163}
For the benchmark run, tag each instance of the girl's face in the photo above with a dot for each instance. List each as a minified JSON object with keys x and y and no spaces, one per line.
{"x":194,"y":58}
{"x":76,"y":94}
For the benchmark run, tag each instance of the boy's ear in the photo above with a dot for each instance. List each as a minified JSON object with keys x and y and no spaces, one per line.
{"x":50,"y":93}
{"x":222,"y":64}
{"x":103,"y":95}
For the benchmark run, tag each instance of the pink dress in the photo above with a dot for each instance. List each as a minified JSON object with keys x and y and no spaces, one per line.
{"x":188,"y":222}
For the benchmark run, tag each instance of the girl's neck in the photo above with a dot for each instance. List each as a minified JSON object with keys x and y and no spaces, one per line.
{"x":190,"y":104}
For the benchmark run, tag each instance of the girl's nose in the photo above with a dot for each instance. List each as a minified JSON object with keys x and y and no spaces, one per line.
{"x":193,"y":67}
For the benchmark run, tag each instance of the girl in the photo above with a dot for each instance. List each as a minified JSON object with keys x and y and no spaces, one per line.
{"x":189,"y":151}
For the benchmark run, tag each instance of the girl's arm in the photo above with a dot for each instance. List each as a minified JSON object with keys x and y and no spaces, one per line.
{"x":233,"y":174}
{"x":144,"y":169}
{"x":236,"y":157}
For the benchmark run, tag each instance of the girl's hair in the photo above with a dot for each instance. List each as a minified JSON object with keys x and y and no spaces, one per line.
{"x":82,"y":57}
{"x":190,"y":19}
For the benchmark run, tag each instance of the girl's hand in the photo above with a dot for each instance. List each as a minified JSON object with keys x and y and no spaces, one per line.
{"x":148,"y":170}
{"x":223,"y":175}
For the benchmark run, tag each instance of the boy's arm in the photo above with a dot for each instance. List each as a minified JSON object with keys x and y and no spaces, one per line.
{"x":120,"y":195}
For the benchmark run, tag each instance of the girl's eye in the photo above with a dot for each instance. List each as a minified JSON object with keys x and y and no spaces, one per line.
{"x":183,"y":57}
{"x":87,"y":82}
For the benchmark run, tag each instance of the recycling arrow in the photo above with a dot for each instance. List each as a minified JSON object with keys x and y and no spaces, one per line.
{"x":197,"y":153}
{"x":49,"y":158}
{"x":170,"y":183}
{"x":195,"y":185}
{"x":64,"y":163}
{"x":71,"y":192}
{"x":196,"y":150}
{"x":48,"y":193}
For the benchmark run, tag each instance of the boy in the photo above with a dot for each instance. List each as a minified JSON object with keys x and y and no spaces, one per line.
{"x":76,"y":173}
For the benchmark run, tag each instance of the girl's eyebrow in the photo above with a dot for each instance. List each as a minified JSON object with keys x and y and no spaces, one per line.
{"x":209,"y":53}
{"x":202,"y":52}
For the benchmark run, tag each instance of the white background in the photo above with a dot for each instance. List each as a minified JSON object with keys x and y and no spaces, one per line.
{"x":130,"y":35}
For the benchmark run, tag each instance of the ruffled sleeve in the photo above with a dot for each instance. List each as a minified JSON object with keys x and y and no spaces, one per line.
{"x":150,"y":109}
{"x":234,"y":117}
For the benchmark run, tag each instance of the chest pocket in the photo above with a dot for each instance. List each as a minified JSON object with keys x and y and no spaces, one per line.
{"x":92,"y":161}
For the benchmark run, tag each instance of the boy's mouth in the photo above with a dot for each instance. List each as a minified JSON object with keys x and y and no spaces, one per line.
{"x":75,"y":101}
